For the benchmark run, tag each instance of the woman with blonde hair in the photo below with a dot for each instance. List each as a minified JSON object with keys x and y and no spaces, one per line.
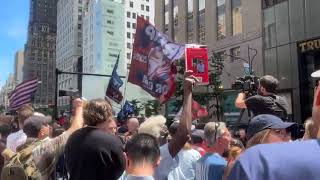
{"x":267,"y":128}
{"x":310,"y":130}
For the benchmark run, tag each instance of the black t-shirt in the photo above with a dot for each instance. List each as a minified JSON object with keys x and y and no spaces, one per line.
{"x":94,"y":154}
{"x":267,"y":105}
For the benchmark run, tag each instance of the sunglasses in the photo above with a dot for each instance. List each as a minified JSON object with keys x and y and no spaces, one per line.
{"x":216,"y":127}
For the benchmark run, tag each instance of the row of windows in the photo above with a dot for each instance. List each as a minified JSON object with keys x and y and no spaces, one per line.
{"x":134,"y":15}
{"x":269,"y":3}
{"x":132,"y":5}
{"x":129,"y":35}
{"x":236,"y":19}
{"x":234,"y":54}
{"x":133,"y":25}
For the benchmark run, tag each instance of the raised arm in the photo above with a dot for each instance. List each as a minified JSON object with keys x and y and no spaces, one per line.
{"x":184,"y":128}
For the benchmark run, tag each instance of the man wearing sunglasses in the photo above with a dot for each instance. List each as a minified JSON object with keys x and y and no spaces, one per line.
{"x":212,"y":164}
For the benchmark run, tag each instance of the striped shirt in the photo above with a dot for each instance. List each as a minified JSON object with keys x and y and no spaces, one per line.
{"x":210,"y":167}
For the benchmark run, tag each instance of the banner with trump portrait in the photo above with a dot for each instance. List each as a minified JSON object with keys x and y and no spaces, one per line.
{"x":152,"y":65}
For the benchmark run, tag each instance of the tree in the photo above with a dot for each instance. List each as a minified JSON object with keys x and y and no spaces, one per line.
{"x":2,"y":109}
{"x":137,"y":105}
{"x":152,"y":107}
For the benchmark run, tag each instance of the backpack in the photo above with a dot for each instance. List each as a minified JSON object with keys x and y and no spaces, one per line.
{"x":283,"y":113}
{"x":21,"y":165}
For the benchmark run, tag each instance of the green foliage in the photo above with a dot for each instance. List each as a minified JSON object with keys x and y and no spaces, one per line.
{"x":215,"y":71}
{"x":152,"y":107}
{"x":2,"y":109}
{"x":137,"y":105}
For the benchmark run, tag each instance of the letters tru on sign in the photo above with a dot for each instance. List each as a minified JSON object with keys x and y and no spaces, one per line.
{"x":309,"y":45}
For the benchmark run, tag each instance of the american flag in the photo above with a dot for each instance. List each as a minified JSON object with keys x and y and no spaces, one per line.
{"x":23,"y":93}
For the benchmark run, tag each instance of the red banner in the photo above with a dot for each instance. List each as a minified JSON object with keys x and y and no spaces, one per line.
{"x":151,"y":65}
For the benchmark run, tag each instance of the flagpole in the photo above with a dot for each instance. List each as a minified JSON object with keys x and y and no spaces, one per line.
{"x":125,"y":87}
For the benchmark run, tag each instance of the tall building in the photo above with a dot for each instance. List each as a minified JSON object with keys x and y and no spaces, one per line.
{"x":103,"y":39}
{"x":292,"y":50}
{"x":6,"y":89}
{"x":134,"y":8}
{"x":18,"y":66}
{"x":227,"y":27}
{"x":40,"y":49}
{"x":68,"y":44}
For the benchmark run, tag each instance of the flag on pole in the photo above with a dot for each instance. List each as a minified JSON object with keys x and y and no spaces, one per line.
{"x":126,"y":110}
{"x":23,"y":94}
{"x":152,"y":65}
{"x":113,"y":90}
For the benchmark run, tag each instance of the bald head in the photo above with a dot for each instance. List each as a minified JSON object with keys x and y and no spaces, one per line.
{"x":133,"y":124}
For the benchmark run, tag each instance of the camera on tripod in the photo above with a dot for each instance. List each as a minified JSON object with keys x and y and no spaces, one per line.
{"x":248,"y":84}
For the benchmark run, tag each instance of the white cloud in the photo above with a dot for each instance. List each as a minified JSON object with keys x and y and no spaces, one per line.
{"x":17,"y":31}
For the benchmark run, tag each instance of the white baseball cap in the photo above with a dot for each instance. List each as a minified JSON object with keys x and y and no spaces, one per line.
{"x":316,"y":74}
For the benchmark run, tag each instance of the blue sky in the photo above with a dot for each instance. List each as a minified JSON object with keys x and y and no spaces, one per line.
{"x":14,"y":15}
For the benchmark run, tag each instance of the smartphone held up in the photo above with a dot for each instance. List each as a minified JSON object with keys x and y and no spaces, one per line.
{"x":196,"y":59}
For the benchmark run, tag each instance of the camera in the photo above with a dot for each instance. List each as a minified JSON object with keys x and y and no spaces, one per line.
{"x":248,"y":84}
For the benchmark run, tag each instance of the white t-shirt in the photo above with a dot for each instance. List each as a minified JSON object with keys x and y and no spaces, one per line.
{"x":187,"y":165}
{"x":167,"y":163}
{"x":14,"y":140}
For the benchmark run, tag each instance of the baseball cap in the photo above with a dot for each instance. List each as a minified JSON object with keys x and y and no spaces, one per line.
{"x":33,"y":124}
{"x":316,"y":74}
{"x":197,"y":136}
{"x":265,"y":121}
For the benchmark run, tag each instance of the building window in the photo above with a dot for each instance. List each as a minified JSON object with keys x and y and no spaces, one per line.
{"x":131,"y":4}
{"x":270,"y":3}
{"x":128,"y":55}
{"x":142,"y":7}
{"x":134,"y":25}
{"x":190,"y":21}
{"x":79,"y":18}
{"x":147,"y":8}
{"x":128,"y":24}
{"x":128,"y":35}
{"x":236,"y":17}
{"x":110,"y":33}
{"x":79,"y":26}
{"x":269,"y":28}
{"x":148,"y":18}
{"x":109,"y":11}
{"x":166,"y":22}
{"x":235,"y":54}
{"x":128,"y":45}
{"x":175,"y":20}
{"x":221,"y":19}
{"x":133,"y":35}
{"x":202,"y":23}
{"x":109,"y":22}
{"x":128,"y":14}
{"x":134,"y":15}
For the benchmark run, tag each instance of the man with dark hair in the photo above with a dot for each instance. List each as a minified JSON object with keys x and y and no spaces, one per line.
{"x":18,"y":138}
{"x":266,"y":102}
{"x":187,"y":158}
{"x":44,"y":151}
{"x":94,"y":152}
{"x":143,"y":157}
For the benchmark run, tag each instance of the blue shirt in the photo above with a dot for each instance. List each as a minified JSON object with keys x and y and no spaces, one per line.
{"x":279,"y":161}
{"x":210,"y":167}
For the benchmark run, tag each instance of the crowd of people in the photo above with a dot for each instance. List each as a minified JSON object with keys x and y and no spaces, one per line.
{"x":94,"y":147}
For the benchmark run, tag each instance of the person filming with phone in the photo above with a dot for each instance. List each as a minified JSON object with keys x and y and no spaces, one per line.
{"x":266,"y":101}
